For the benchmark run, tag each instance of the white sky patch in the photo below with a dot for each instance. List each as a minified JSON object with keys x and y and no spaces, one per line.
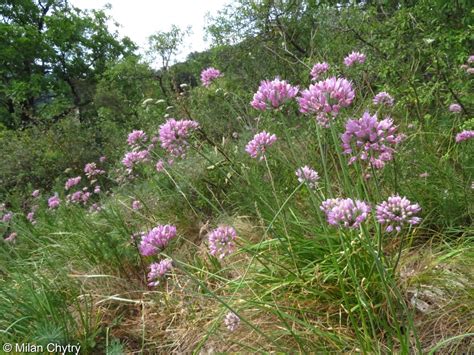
{"x":141,"y":18}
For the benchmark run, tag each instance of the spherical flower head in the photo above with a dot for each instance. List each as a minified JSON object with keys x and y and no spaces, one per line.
{"x":464,"y":136}
{"x":97,"y":189}
{"x":326,"y":98}
{"x":136,"y":205}
{"x":7,"y":217}
{"x":136,"y":138}
{"x":318,"y":69}
{"x":95,"y":207}
{"x":470,"y":60}
{"x":31,"y":217}
{"x":396,"y":212}
{"x":354,"y":57}
{"x":383,"y":98}
{"x":174,"y":136}
{"x":258,"y":145}
{"x":231,"y":321}
{"x":156,"y":239}
{"x":221,"y":241}
{"x":455,"y":108}
{"x":160,"y":165}
{"x":72,"y":182}
{"x":75,"y":197}
{"x":11,"y":238}
{"x":209,"y":75}
{"x":131,"y":159}
{"x":345,"y":213}
{"x":158,"y":271}
{"x":470,"y":70}
{"x":102,"y":159}
{"x":54,"y":202}
{"x":370,"y":140}
{"x":35,"y":193}
{"x":91,"y":170}
{"x":273,"y":94}
{"x":307,"y":175}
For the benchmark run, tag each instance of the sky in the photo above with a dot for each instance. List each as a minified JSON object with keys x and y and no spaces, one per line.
{"x":141,"y":18}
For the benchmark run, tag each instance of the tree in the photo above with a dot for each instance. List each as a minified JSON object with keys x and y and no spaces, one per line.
{"x":51,"y":55}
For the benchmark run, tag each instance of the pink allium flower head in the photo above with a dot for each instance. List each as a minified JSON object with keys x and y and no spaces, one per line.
{"x":308,"y":176}
{"x":470,"y":70}
{"x":97,"y":189}
{"x":91,"y":170}
{"x":136,"y":205}
{"x":221,"y":241}
{"x":397,"y":211}
{"x":132,"y":158}
{"x":136,"y":138}
{"x":455,"y":108}
{"x":258,"y":145}
{"x":31,"y":217}
{"x":54,"y":201}
{"x":354,"y":57}
{"x":383,"y":98}
{"x":464,"y":136}
{"x":470,"y":59}
{"x":318,"y":69}
{"x":156,"y":239}
{"x":231,"y":321}
{"x":158,"y":271}
{"x":72,"y":182}
{"x":160,"y":165}
{"x":95,"y":207}
{"x":102,"y":159}
{"x":7,"y":217}
{"x":273,"y":94}
{"x":370,"y":140}
{"x":346,"y":213}
{"x":209,"y":75}
{"x":35,"y":193}
{"x":75,"y":197}
{"x":174,"y":135}
{"x":11,"y":238}
{"x":326,"y":98}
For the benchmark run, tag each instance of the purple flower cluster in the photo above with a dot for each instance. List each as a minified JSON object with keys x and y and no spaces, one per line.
{"x":158,"y":271}
{"x":258,"y":145}
{"x":156,"y":239}
{"x":79,"y":197}
{"x":231,"y":321}
{"x":91,"y":170}
{"x":464,"y":136}
{"x":7,"y":217}
{"x":221,"y":241}
{"x":136,"y":205}
{"x":273,"y":94}
{"x":132,"y":158}
{"x":455,"y":108}
{"x":71,"y":182}
{"x":370,"y":140}
{"x":136,"y":138}
{"x":346,"y":213}
{"x":318,"y":69}
{"x":35,"y":193}
{"x":209,"y":75}
{"x":54,"y":201}
{"x":383,"y":98}
{"x":354,"y":57}
{"x":307,"y":175}
{"x":174,"y":135}
{"x":326,"y":98}
{"x":397,"y":211}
